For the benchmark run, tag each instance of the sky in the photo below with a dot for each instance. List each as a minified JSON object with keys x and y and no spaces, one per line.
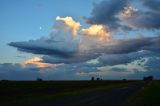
{"x":78,"y":39}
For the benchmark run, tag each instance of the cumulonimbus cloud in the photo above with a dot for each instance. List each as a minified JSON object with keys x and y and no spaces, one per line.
{"x":106,"y":17}
{"x":61,"y":47}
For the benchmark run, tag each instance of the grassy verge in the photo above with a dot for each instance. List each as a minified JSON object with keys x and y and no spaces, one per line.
{"x":148,"y":96}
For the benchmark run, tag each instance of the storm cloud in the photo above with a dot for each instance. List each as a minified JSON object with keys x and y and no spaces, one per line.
{"x":152,"y":4}
{"x":109,"y":13}
{"x":94,"y":51}
{"x":119,"y":47}
{"x":105,"y":13}
{"x":59,"y":43}
{"x":143,"y":20}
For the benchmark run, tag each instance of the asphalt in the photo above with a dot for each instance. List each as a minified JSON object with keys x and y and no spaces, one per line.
{"x":114,"y":97}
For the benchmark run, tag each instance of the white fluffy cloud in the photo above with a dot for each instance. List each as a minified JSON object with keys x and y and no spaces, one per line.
{"x":98,"y":31}
{"x":70,"y":23}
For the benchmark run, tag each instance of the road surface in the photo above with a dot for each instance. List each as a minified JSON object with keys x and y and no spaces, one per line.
{"x":114,"y":97}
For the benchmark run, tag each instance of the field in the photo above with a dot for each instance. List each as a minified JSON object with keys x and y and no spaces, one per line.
{"x":24,"y":93}
{"x":148,"y":96}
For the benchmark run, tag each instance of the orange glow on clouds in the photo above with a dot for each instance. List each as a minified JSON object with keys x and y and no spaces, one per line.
{"x":74,"y":26}
{"x":98,"y":31}
{"x":37,"y":62}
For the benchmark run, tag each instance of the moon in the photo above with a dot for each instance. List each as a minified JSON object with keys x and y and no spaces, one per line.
{"x":40,"y":28}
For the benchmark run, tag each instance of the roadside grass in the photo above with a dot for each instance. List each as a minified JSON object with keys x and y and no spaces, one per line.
{"x":147,"y":96}
{"x":26,"y":94}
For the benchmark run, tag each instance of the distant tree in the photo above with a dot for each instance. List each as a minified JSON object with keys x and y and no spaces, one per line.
{"x":98,"y":79}
{"x":4,"y":80}
{"x":149,"y":78}
{"x":124,"y":79}
{"x":92,"y":78}
{"x":39,"y":79}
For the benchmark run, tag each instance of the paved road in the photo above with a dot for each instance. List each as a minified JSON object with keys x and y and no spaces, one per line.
{"x":114,"y":97}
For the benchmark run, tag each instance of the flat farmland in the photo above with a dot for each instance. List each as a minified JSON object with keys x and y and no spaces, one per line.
{"x":67,"y":93}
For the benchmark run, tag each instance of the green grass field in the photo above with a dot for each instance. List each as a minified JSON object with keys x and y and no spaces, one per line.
{"x":21,"y":93}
